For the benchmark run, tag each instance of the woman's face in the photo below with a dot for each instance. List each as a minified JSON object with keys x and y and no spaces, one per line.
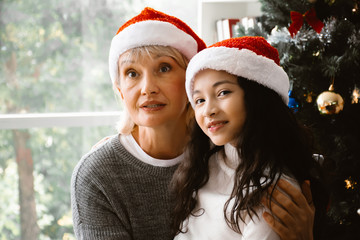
{"x":153,"y":89}
{"x":219,"y":106}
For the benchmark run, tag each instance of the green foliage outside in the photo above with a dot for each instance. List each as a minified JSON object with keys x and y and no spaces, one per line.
{"x":55,"y":152}
{"x":53,"y":58}
{"x":54,"y":55}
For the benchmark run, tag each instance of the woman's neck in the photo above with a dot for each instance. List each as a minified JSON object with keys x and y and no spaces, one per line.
{"x":162,"y":142}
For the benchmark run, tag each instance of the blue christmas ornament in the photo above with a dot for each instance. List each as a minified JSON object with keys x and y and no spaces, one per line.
{"x":293,"y":103}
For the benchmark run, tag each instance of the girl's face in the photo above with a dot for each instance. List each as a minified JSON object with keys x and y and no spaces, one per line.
{"x":153,"y":89}
{"x":219,"y":106}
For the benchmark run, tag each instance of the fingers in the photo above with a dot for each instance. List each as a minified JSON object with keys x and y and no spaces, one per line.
{"x":292,"y":217}
{"x":297,"y":197}
{"x":282,"y":208}
{"x":275,"y":225}
{"x":283,"y":231}
{"x":282,"y":199}
{"x":288,"y":203}
{"x":306,"y":190}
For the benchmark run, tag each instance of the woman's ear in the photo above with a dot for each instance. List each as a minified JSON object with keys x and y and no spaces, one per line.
{"x":117,"y":87}
{"x":122,"y":97}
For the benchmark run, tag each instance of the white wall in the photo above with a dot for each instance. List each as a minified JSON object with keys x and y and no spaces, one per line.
{"x":185,"y":10}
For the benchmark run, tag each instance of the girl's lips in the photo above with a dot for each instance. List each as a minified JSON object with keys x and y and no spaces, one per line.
{"x":216,"y":125}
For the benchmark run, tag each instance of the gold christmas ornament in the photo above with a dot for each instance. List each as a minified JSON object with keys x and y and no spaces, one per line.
{"x":356,"y":8}
{"x":329,"y":102}
{"x":309,"y":97}
{"x":355,"y":96}
{"x":350,"y":183}
{"x":330,"y":2}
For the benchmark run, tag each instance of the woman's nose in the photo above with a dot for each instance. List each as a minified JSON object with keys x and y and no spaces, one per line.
{"x":149,"y":85}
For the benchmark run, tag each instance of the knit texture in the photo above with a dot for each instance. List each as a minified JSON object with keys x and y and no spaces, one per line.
{"x":116,"y":196}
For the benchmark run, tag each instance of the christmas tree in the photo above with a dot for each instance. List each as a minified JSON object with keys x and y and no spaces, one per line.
{"x":319,"y":47}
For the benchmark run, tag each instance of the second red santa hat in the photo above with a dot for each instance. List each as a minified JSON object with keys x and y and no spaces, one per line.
{"x":249,"y":57}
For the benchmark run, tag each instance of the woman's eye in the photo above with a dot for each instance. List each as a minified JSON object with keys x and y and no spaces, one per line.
{"x":131,"y":74}
{"x":165,"y":68}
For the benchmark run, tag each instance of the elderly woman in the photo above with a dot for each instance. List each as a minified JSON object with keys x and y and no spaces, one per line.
{"x":119,"y":190}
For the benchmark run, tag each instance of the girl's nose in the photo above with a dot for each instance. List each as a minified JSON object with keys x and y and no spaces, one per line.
{"x":210,"y":109}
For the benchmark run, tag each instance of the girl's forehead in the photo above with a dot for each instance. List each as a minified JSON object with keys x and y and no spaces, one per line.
{"x":212,"y":78}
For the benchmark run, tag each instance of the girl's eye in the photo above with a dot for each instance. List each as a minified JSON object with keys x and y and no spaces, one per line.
{"x":198,"y":101}
{"x":165,"y":68}
{"x":131,"y":74}
{"x":224,"y":92}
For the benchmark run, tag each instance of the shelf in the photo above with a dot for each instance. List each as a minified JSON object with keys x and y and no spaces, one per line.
{"x":210,"y":11}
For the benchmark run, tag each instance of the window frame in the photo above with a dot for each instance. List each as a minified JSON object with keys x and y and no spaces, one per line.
{"x":48,"y":120}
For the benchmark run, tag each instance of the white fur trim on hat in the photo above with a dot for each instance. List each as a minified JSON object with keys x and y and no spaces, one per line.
{"x":244,"y":63}
{"x":147,"y":33}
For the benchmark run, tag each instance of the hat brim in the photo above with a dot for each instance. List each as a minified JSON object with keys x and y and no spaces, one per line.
{"x":244,"y":63}
{"x":147,"y":33}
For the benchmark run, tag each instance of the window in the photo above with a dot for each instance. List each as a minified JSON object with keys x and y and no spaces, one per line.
{"x":56,"y":102}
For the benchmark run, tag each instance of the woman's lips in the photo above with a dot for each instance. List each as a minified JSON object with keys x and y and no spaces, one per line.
{"x":152,"y":106}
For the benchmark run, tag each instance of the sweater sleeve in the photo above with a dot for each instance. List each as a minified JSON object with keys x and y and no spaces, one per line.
{"x":94,"y":217}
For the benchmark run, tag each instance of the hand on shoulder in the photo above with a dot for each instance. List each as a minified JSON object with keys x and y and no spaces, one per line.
{"x":293,"y":211}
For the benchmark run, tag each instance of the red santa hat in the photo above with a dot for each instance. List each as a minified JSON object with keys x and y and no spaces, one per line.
{"x":249,"y":57}
{"x":152,"y":27}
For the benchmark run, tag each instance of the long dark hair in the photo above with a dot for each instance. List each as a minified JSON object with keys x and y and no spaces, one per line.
{"x":272,"y":143}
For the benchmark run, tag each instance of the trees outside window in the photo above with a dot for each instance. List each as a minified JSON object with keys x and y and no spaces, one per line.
{"x":53,"y":59}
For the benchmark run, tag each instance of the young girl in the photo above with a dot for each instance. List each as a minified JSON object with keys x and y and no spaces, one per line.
{"x":239,"y":94}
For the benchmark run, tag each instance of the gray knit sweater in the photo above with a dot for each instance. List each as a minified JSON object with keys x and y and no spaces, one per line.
{"x":116,"y":196}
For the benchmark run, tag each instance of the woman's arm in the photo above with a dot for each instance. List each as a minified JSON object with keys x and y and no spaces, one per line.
{"x":94,"y":216}
{"x":294,"y":212}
